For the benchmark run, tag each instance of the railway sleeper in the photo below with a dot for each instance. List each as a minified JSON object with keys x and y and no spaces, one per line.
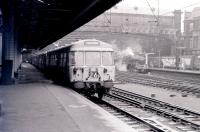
{"x":196,"y":92}
{"x":184,"y":128}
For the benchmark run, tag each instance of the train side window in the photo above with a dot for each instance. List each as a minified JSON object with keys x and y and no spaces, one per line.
{"x":61,"y":59}
{"x":71,"y":58}
{"x":76,"y":58}
{"x":64,"y":59}
{"x":54,"y":59}
{"x":51,"y":59}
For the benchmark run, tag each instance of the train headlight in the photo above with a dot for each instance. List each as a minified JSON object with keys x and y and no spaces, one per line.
{"x":82,"y":69}
{"x":105,"y":70}
{"x":74,"y":71}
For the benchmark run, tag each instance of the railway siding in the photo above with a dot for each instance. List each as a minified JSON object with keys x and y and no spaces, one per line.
{"x":181,"y":117}
{"x":170,"y":97}
{"x":162,"y":108}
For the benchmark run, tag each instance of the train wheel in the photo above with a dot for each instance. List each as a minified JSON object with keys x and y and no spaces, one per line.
{"x":100,"y":94}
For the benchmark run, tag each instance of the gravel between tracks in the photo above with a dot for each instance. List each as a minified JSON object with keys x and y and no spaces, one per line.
{"x":171,"y":97}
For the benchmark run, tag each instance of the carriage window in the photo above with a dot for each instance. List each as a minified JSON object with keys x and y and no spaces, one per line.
{"x":71,"y":58}
{"x":64,"y":59}
{"x":107,"y":58}
{"x":61,"y":59}
{"x":93,"y":58}
{"x":76,"y":58}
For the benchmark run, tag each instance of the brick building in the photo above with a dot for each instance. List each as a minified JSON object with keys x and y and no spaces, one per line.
{"x":192,"y":32}
{"x":140,"y":25}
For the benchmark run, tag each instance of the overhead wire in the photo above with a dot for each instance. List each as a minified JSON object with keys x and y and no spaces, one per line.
{"x":152,"y":10}
{"x":197,"y":3}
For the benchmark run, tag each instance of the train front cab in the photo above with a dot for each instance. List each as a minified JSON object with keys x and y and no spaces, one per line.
{"x":92,"y":68}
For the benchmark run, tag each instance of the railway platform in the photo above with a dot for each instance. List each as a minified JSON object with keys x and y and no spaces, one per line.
{"x":38,"y":105}
{"x":191,"y":72}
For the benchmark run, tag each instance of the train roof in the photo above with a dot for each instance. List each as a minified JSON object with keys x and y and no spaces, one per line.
{"x":82,"y":45}
{"x":90,"y":45}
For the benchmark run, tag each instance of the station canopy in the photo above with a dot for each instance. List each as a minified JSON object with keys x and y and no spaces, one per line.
{"x":39,"y":23}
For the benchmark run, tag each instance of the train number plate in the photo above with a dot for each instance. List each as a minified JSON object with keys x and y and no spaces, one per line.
{"x":94,"y":75}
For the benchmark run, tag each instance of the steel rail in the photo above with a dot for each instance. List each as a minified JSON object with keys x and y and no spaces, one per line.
{"x":158,"y":111}
{"x":162,"y":104}
{"x":122,"y":111}
{"x":162,"y":83}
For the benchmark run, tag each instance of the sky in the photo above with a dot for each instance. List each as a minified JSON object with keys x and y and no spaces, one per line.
{"x":164,"y":5}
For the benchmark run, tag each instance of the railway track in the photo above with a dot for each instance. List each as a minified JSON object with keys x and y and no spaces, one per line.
{"x":139,"y":124}
{"x":185,"y":87}
{"x":127,"y":105}
{"x":178,"y":76}
{"x":114,"y":106}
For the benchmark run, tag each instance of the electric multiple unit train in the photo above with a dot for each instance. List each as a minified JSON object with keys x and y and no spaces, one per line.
{"x":85,"y":64}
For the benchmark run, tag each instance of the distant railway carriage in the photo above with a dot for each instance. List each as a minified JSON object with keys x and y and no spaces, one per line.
{"x":86,"y":64}
{"x":184,"y":62}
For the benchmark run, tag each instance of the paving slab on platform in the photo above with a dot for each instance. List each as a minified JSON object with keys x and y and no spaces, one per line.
{"x":42,"y":107}
{"x":46,"y":107}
